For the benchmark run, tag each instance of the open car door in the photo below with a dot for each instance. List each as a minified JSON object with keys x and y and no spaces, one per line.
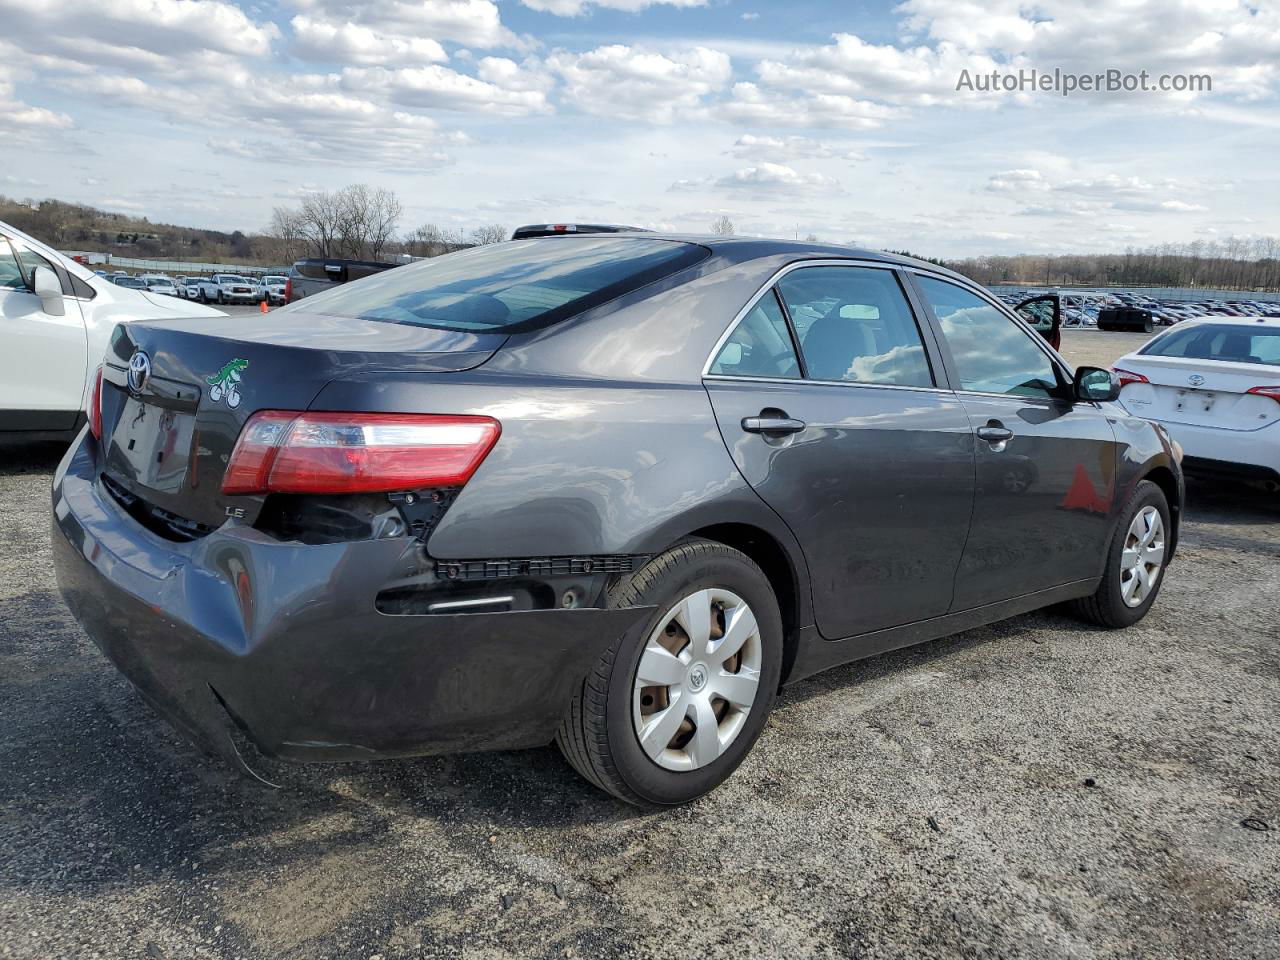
{"x":1044,"y":313}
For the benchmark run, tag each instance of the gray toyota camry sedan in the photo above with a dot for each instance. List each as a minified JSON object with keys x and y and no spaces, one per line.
{"x":608,"y":490}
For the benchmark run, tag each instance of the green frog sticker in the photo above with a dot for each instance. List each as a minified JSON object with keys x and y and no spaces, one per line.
{"x":226,"y":383}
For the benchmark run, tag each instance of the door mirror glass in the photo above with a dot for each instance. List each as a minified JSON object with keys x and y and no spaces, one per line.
{"x":1096,"y":384}
{"x":46,"y":286}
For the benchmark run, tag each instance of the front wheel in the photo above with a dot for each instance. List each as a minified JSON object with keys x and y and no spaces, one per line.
{"x":1136,"y":561}
{"x":669,"y":712}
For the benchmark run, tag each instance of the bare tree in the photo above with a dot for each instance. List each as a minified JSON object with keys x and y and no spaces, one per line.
{"x":424,"y":241}
{"x":321,"y":219}
{"x":287,"y":230}
{"x":356,"y":221}
{"x":493,"y":233}
{"x":723,"y":227}
{"x":369,"y":217}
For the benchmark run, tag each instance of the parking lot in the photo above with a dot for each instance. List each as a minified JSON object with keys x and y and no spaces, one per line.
{"x":1035,"y":788}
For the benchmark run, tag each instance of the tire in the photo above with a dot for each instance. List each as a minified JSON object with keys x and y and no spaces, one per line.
{"x":221,"y":299}
{"x":1108,"y":607}
{"x":599,"y":735}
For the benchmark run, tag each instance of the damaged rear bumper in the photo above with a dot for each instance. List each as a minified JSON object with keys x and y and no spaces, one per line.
{"x":283,"y":640}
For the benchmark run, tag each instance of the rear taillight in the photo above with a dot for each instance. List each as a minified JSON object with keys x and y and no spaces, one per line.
{"x":94,"y":413}
{"x":288,"y":290}
{"x":282,"y":452}
{"x":1127,"y":377}
{"x":1272,"y":392}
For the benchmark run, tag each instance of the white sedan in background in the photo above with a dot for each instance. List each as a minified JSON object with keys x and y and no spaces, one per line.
{"x":57,"y":318}
{"x":1215,"y":386}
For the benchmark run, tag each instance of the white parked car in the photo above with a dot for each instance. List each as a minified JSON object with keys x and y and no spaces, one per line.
{"x":272,"y":288}
{"x":161,"y":285}
{"x":202,"y":289}
{"x":58,"y":317}
{"x":1215,"y":385}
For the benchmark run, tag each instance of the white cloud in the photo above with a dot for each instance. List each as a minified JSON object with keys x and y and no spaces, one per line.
{"x":573,"y":8}
{"x":1237,"y":42}
{"x":474,"y":23}
{"x":351,"y":43}
{"x":752,"y":105}
{"x":1017,"y":180}
{"x":752,"y":147}
{"x":778,"y":178}
{"x":632,"y":83}
{"x":1091,"y":196}
{"x":763,"y":179}
{"x":438,"y":87}
{"x":851,"y":67}
{"x":167,"y":28}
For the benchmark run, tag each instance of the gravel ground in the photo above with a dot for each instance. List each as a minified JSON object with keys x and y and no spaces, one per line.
{"x":1031,"y":789}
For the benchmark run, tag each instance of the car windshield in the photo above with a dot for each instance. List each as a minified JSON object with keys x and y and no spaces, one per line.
{"x":273,"y":279}
{"x":232,"y":279}
{"x":1219,"y":341}
{"x":508,"y":287}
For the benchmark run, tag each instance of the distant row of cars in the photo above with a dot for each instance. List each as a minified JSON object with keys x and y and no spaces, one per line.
{"x":1081,"y":309}
{"x":221,"y":288}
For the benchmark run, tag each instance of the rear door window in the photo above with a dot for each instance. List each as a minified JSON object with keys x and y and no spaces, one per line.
{"x":855,"y":324}
{"x":760,"y":345}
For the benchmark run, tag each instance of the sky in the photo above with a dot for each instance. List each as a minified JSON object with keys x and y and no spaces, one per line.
{"x":838,"y":119}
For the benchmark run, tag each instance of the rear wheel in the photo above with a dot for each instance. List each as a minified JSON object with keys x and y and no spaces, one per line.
{"x":669,"y":711}
{"x":1135,"y":562}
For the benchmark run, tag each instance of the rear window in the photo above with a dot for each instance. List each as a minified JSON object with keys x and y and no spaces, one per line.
{"x":508,"y":287}
{"x":1219,"y":341}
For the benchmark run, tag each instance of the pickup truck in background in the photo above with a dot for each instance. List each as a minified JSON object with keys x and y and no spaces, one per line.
{"x":271,"y":288}
{"x":318,"y":274}
{"x":225,"y":288}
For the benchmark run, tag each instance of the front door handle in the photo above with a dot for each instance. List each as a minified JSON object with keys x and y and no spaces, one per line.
{"x":772,"y":425}
{"x":996,"y":434}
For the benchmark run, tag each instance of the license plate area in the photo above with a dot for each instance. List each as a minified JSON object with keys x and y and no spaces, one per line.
{"x":151,"y":446}
{"x":1194,"y":401}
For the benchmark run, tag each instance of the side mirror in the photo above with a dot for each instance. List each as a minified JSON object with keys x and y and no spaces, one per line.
{"x":1096,"y":384}
{"x":47,"y":287}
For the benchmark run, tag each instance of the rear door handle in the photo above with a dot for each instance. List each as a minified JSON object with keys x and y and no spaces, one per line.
{"x":772,"y":426}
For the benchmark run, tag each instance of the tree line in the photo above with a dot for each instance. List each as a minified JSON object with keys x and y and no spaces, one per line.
{"x":363,"y":222}
{"x":1233,"y":263}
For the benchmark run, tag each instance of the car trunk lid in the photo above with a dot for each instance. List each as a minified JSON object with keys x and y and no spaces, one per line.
{"x":1212,"y":393}
{"x":169,"y":433}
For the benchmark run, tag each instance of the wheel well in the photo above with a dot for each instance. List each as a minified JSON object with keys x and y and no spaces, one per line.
{"x":770,"y":556}
{"x":1163,"y":478}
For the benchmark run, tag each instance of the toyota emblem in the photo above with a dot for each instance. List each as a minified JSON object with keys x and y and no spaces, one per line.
{"x":1195,"y":379}
{"x":139,"y":371}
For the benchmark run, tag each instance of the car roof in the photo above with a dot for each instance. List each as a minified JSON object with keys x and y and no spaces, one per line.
{"x":743,"y":249}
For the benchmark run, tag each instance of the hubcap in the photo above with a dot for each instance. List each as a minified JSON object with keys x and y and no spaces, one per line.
{"x":696,"y":680}
{"x":1142,"y":558}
